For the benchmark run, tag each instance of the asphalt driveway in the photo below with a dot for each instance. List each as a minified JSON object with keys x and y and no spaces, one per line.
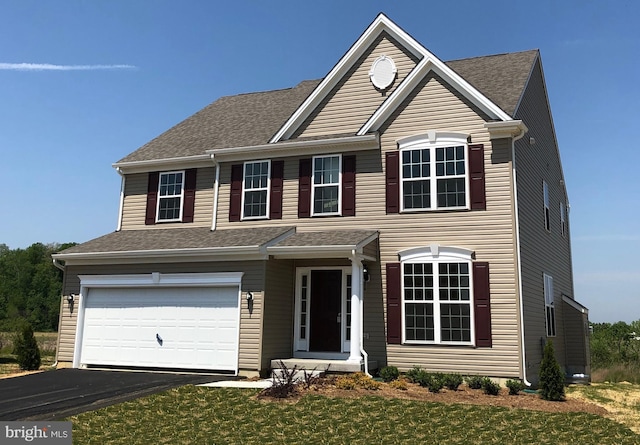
{"x":56,"y":394}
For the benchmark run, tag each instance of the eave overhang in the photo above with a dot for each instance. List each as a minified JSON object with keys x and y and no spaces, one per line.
{"x":163,"y":164}
{"x":323,"y":251}
{"x":301,"y":147}
{"x":509,"y":129}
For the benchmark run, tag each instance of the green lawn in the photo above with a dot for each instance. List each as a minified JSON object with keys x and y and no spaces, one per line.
{"x":197,"y":415}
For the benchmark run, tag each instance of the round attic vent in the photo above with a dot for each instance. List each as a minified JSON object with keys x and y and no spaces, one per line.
{"x":383,"y":72}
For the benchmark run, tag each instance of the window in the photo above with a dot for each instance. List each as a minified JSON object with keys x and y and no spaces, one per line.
{"x":545,"y":191}
{"x":549,"y":307}
{"x":256,"y":188}
{"x":563,"y":219}
{"x":170,"y":196}
{"x":326,"y":185}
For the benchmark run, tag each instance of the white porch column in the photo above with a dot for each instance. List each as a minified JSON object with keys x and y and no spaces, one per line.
{"x":356,"y":302}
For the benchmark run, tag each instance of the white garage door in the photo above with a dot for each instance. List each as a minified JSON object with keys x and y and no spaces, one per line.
{"x":185,"y":328}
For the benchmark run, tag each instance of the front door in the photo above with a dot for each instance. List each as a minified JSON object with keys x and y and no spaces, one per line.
{"x":325,"y":314}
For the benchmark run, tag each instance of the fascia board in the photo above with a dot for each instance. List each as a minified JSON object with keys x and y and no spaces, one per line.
{"x":295,"y":252}
{"x":380,"y":24}
{"x":509,"y":129}
{"x":431,"y":63}
{"x":156,"y":164}
{"x":137,"y":256}
{"x":283,"y":149}
{"x":574,"y":304}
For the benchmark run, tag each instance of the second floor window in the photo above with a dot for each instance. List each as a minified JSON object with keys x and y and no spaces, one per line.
{"x":547,"y":212}
{"x":256,"y":187}
{"x":326,"y":185}
{"x":170,"y":196}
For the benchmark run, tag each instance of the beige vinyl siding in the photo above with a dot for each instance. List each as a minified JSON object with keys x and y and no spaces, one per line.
{"x":135,"y":201}
{"x":433,"y":106}
{"x":277,"y":338}
{"x":542,"y":251}
{"x":250,"y":321}
{"x":355,"y":99}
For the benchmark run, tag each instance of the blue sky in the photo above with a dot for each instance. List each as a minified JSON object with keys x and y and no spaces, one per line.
{"x":121,"y":72}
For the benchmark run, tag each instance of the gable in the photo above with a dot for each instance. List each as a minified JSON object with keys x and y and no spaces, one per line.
{"x":354,"y":99}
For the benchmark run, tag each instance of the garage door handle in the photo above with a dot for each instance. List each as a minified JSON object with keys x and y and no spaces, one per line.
{"x":159,"y":339}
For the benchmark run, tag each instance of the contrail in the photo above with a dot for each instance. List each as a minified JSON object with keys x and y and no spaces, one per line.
{"x":52,"y":67}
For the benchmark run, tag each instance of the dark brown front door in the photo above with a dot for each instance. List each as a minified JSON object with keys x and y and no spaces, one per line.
{"x":326,"y":297}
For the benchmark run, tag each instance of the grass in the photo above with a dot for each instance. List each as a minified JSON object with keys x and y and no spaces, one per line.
{"x":621,"y":399}
{"x":617,"y":373}
{"x":197,"y":415}
{"x":46,"y":343}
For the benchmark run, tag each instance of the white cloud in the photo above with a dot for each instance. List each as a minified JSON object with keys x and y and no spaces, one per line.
{"x":52,"y":67}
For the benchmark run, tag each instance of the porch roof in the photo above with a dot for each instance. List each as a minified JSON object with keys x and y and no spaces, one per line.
{"x":326,"y":244}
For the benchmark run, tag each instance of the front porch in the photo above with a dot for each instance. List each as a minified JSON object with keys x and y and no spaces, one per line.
{"x":323,"y":365}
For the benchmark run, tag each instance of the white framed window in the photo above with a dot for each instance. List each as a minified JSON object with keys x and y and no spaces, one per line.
{"x":437,"y":296}
{"x":255,"y":189}
{"x":549,"y":306}
{"x":563,"y":219}
{"x":326,"y":189}
{"x":170,"y":196}
{"x":434,"y":173}
{"x":547,"y":211}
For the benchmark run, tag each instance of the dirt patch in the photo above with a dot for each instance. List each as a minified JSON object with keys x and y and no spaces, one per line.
{"x":463,"y":395}
{"x":621,"y":400}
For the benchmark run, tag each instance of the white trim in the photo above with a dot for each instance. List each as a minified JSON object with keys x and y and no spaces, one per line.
{"x":285,"y":149}
{"x":433,"y":141}
{"x":184,"y":162}
{"x":511,"y":129}
{"x":181,"y":195}
{"x":574,"y":304}
{"x":315,"y":186}
{"x":121,"y":206}
{"x":380,"y":24}
{"x":266,"y":189}
{"x":216,"y":193}
{"x":381,"y":77}
{"x":436,"y":254}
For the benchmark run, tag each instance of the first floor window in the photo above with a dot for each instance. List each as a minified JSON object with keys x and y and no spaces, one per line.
{"x":170,"y":196}
{"x":256,"y":187}
{"x":549,"y":306}
{"x":437,"y":302}
{"x":326,"y":185}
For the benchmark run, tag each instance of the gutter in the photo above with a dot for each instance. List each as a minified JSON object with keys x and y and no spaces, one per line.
{"x":216,"y":188}
{"x":518,"y":253}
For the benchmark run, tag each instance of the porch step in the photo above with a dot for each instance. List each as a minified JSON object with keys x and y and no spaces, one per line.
{"x":322,"y":365}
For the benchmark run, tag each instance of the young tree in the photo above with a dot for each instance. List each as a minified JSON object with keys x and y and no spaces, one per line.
{"x":26,"y":349}
{"x":551,"y":376}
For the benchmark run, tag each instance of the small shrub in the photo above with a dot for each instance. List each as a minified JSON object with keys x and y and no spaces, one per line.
{"x":26,"y":349}
{"x":283,"y":383}
{"x":400,"y":384}
{"x":356,"y":380}
{"x":551,"y":377}
{"x":515,"y":386}
{"x":490,"y":387}
{"x":473,"y":381}
{"x":452,"y":381}
{"x":435,"y":383}
{"x":415,"y":374}
{"x":389,"y":373}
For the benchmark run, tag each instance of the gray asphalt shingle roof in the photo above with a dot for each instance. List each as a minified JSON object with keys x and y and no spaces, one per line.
{"x":253,"y":118}
{"x":179,"y":238}
{"x":328,"y":238}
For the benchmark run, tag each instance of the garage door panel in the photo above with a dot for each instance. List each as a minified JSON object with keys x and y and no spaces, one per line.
{"x":198,"y":328}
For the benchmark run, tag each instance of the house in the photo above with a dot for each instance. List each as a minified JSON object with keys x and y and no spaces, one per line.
{"x":400,"y":211}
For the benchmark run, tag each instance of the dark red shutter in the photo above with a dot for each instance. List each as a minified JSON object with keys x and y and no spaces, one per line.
{"x":348,"y":186}
{"x":481,"y":296}
{"x":277,"y":176}
{"x":235,"y":204}
{"x":189,"y":195}
{"x":476,"y":170}
{"x":393,"y":182}
{"x":152,"y":198}
{"x":304,"y":188}
{"x":394,"y":302}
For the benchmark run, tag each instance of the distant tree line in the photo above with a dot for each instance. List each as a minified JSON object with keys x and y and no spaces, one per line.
{"x":615,"y":344}
{"x":30,"y":287}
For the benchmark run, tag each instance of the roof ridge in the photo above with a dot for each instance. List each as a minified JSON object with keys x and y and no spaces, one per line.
{"x":493,"y":55}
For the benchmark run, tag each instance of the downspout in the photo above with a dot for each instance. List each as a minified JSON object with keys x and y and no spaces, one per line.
{"x":364,"y":354}
{"x":518,"y":253}
{"x":216,"y":188}
{"x":119,"y":227}
{"x":60,"y":266}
